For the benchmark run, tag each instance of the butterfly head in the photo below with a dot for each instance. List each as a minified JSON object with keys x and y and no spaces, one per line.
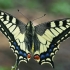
{"x":30,"y":28}
{"x":30,"y":25}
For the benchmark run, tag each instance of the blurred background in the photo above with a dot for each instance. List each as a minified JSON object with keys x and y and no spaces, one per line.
{"x":54,"y":9}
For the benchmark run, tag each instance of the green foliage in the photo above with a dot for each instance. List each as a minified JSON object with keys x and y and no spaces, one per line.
{"x":31,"y":4}
{"x":6,"y":4}
{"x":60,"y":7}
{"x":4,"y":68}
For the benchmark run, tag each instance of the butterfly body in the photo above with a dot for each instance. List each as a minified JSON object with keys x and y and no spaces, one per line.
{"x":29,"y":35}
{"x":42,"y":41}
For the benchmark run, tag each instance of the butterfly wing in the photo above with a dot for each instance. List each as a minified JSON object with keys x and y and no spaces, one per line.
{"x":48,"y":37}
{"x":14,"y":30}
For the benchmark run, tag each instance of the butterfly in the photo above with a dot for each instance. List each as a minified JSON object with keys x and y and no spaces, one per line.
{"x":42,"y":40}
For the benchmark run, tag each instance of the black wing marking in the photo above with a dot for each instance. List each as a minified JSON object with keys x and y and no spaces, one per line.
{"x":14,"y":30}
{"x":49,"y":35}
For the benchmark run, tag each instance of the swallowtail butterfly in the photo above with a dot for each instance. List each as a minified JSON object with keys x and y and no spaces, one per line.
{"x":42,"y":40}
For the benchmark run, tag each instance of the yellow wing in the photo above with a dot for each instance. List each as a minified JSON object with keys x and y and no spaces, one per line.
{"x":47,"y":39}
{"x":14,"y":30}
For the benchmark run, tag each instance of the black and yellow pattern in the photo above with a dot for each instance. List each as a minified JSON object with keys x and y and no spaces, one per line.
{"x":49,"y":36}
{"x":42,"y":40}
{"x":14,"y":30}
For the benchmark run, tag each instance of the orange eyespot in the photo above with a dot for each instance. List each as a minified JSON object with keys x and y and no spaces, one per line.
{"x":37,"y":57}
{"x":29,"y":55}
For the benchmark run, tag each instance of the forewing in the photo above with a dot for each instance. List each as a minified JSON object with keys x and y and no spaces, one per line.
{"x":48,"y":37}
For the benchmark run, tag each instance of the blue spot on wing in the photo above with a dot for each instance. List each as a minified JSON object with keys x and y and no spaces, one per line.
{"x":47,"y":54}
{"x":42,"y":56}
{"x":16,"y":46}
{"x":14,"y":43}
{"x":23,"y":53}
{"x":50,"y":50}
{"x":52,"y":46}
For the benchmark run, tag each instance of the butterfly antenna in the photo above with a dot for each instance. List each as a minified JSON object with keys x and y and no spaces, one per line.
{"x":22,"y":14}
{"x":39,"y":17}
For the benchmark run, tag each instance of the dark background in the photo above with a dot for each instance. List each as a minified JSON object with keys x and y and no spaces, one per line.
{"x":54,"y":9}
